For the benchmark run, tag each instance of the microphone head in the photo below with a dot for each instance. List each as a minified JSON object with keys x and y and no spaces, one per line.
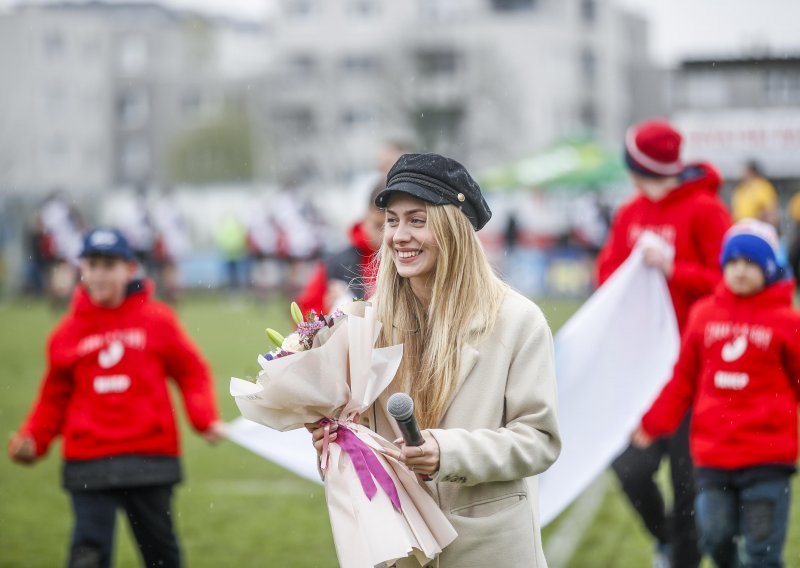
{"x":400,"y":406}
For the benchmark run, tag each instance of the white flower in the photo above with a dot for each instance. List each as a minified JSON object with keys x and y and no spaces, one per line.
{"x":292,"y":343}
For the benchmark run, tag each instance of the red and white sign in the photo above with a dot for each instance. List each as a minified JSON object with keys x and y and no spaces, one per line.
{"x":729,"y":138}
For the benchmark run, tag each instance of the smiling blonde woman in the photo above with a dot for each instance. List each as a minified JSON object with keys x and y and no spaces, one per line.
{"x":478,"y":363}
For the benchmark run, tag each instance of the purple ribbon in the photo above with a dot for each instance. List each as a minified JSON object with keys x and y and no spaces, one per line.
{"x":367,"y":465}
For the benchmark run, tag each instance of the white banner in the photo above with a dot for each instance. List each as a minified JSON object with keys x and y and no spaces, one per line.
{"x":612,"y":359}
{"x":292,"y":449}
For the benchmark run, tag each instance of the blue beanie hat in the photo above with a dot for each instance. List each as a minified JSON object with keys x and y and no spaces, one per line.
{"x":755,"y":241}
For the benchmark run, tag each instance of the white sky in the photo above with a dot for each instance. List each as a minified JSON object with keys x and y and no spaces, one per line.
{"x":678,"y":28}
{"x":699,"y":28}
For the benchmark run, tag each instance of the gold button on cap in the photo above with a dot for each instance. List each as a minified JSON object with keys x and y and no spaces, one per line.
{"x":461,"y":197}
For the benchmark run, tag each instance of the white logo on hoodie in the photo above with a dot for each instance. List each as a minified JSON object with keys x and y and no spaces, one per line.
{"x":733,"y":350}
{"x":111,"y":355}
{"x":111,"y":384}
{"x":731,"y":381}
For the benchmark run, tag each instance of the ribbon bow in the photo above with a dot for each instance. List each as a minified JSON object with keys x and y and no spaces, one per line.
{"x":364,"y":460}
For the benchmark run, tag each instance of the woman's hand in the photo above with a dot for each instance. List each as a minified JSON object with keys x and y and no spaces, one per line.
{"x":318,"y":434}
{"x":422,"y":460}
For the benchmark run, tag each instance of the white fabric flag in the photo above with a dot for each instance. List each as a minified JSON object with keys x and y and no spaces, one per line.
{"x":612,"y":359}
{"x":291,"y":450}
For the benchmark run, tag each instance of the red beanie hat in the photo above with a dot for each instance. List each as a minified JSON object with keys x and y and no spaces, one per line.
{"x":653,"y":148}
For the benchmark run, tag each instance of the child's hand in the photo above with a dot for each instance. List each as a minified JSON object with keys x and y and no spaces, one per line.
{"x":22,"y":449}
{"x":641,"y":439}
{"x":215,"y":433}
{"x":657,"y":259}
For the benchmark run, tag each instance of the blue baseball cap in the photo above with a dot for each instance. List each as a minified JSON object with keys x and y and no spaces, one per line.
{"x":106,"y":241}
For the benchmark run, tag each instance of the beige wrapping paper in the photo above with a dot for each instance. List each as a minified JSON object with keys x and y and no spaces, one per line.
{"x":311,"y":385}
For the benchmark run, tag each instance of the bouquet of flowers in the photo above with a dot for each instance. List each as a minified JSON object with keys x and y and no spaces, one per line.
{"x":329,"y":370}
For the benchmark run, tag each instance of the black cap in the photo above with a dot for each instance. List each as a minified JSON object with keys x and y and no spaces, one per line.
{"x":439,"y":181}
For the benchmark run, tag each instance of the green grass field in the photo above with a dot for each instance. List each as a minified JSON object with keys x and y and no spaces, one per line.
{"x":234,"y":509}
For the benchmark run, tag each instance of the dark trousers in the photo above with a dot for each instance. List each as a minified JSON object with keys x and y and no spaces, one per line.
{"x":636,"y":470}
{"x":758,"y":513}
{"x":149,"y":511}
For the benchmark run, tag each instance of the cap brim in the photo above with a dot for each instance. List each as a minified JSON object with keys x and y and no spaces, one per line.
{"x":420,"y":192}
{"x":106,"y":254}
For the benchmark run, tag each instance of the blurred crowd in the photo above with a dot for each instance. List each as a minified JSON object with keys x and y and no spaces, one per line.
{"x":268,"y":251}
{"x":278,"y":243}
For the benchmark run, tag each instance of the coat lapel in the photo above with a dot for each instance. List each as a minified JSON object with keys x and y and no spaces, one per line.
{"x":469,"y":357}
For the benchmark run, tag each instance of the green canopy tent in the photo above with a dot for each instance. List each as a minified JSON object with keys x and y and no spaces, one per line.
{"x":572,"y":164}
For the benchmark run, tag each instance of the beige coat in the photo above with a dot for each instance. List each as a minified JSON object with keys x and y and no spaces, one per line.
{"x":499,"y":429}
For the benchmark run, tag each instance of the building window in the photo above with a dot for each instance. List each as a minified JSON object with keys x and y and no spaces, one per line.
{"x":588,"y":65}
{"x":588,"y":114}
{"x":356,"y":117}
{"x":133,"y":108}
{"x":432,"y":63}
{"x":135,"y":160}
{"x":133,"y":56}
{"x":360,"y":64}
{"x":783,"y":87}
{"x":439,"y":126}
{"x":301,"y":65}
{"x":191,"y":103}
{"x":705,"y":90}
{"x":513,"y":5}
{"x":301,"y":8}
{"x":54,"y":44}
{"x":363,"y":8}
{"x":296,"y":122}
{"x":443,"y":10}
{"x":588,"y":11}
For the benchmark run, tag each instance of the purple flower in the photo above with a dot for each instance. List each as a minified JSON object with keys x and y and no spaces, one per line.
{"x":309,"y":329}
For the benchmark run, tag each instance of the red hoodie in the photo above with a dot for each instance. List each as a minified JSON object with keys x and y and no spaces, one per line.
{"x":105,"y":388}
{"x":354,"y":263}
{"x":692,"y":218}
{"x":739,"y":369}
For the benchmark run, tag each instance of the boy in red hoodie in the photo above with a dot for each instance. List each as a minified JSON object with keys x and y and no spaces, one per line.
{"x":739,"y":372}
{"x":679,"y":203}
{"x":105,"y":391}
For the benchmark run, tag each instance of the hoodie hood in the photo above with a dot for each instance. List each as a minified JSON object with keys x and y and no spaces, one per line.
{"x":779,"y":294}
{"x":696,"y":178}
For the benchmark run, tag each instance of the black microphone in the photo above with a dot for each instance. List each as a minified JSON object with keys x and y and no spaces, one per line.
{"x":401,"y":407}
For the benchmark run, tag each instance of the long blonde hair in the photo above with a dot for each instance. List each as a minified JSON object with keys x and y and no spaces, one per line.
{"x":463,"y":307}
